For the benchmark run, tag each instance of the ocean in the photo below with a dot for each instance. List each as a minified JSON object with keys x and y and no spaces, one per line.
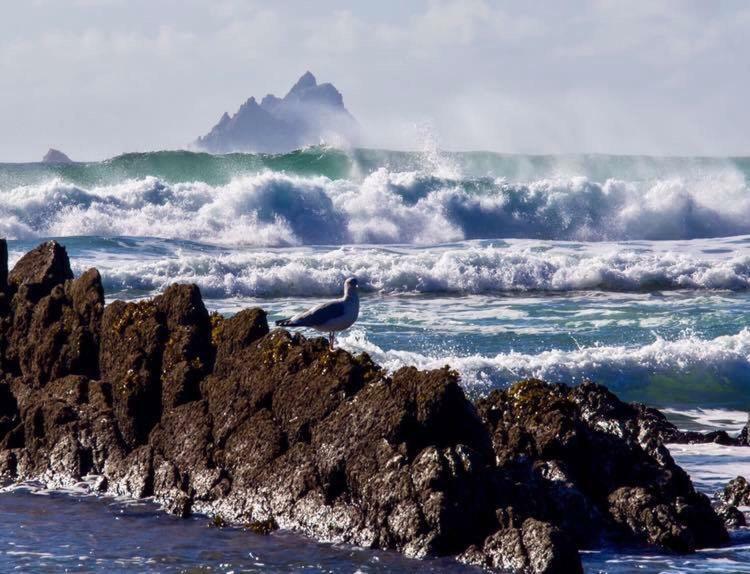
{"x":630,"y":271}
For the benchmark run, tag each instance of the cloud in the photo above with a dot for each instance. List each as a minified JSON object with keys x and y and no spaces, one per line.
{"x":587,"y":75}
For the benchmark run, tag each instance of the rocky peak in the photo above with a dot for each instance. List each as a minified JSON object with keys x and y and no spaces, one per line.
{"x":55,"y":156}
{"x":306,"y":81}
{"x":42,"y":268}
{"x":308,"y":114}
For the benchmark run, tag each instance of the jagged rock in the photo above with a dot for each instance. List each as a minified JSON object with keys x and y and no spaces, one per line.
{"x":586,"y":444}
{"x":154,"y":353}
{"x":532,"y":547}
{"x":55,"y":156}
{"x":3,"y":267}
{"x":309,"y":114}
{"x":42,"y":268}
{"x":57,"y":334}
{"x":744,"y":437}
{"x":221,"y":416}
{"x":732,"y":516}
{"x":8,"y":410}
{"x":52,"y":326}
{"x":737,"y":492}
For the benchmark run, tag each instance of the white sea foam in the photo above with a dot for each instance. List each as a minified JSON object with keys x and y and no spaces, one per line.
{"x":715,"y":419}
{"x":470,"y":267}
{"x":723,"y":355}
{"x":711,"y":466}
{"x":275,"y":208}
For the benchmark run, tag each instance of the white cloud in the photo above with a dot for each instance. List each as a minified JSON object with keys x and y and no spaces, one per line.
{"x":598,"y":75}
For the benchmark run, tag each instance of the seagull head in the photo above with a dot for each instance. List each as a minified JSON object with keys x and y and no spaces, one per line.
{"x":350,"y":284}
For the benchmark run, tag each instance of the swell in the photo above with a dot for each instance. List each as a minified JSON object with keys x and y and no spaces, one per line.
{"x":689,"y":371}
{"x":512,"y":266}
{"x":272,"y":208}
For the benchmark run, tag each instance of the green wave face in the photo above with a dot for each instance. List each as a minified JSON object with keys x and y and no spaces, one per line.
{"x":186,"y":166}
{"x":179,"y":166}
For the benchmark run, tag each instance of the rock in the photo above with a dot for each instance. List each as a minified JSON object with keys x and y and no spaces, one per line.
{"x":590,"y":455}
{"x":55,"y":156}
{"x":41,"y":269}
{"x":271,"y":430}
{"x":737,"y":492}
{"x":262,"y":527}
{"x":744,"y":437}
{"x":57,"y":334}
{"x":732,"y":516}
{"x":308,"y":115}
{"x":3,"y":266}
{"x":154,"y":353}
{"x":533,"y":547}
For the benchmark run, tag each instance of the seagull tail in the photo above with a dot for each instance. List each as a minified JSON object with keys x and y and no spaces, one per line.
{"x":285,"y":323}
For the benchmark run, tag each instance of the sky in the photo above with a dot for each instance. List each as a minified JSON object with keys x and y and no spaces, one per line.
{"x":96,"y":78}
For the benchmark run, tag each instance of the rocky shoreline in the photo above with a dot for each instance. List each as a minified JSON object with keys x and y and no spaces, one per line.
{"x":221,"y":416}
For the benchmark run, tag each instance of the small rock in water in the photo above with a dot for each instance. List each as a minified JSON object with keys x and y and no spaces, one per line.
{"x":218,"y":522}
{"x":732,"y":516}
{"x":737,"y":492}
{"x":262,"y":527}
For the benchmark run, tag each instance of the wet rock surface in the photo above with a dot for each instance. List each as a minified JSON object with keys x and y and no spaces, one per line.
{"x":737,"y":492}
{"x":268,"y":429}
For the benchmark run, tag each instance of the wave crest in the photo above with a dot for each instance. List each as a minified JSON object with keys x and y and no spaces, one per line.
{"x":514,"y":266}
{"x":276,"y":209}
{"x":688,"y":371}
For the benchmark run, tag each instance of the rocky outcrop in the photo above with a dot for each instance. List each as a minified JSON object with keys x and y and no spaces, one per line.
{"x":310,"y":114}
{"x":268,"y":429}
{"x":55,"y":156}
{"x":737,"y":492}
{"x":601,"y":471}
{"x":657,"y":426}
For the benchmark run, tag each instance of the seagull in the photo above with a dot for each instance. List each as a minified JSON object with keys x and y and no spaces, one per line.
{"x":331,"y":316}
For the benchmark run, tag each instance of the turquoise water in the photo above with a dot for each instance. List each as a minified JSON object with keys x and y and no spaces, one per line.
{"x":631,"y":271}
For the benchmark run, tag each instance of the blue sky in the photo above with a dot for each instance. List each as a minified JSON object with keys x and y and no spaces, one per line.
{"x":100,"y":77}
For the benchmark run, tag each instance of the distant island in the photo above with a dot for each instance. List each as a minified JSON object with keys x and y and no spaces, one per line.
{"x":55,"y":156}
{"x":310,"y":114}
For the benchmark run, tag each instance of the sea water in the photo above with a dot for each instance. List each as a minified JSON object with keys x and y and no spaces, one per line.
{"x":629,"y":271}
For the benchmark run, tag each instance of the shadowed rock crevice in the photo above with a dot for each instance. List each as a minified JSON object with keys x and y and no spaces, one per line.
{"x":268,"y":429}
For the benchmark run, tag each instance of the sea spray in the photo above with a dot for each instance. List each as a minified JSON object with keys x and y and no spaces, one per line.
{"x":300,"y":199}
{"x":500,"y":267}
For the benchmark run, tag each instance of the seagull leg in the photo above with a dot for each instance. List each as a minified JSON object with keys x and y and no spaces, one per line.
{"x":333,"y":340}
{"x":330,"y":341}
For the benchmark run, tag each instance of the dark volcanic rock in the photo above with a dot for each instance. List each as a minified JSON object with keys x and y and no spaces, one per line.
{"x":154,"y":354}
{"x":3,"y":266}
{"x":732,"y":516}
{"x":42,"y":268}
{"x":268,"y":430}
{"x":744,"y":437}
{"x":601,"y":472}
{"x":657,"y":426}
{"x":737,"y":492}
{"x":52,"y":327}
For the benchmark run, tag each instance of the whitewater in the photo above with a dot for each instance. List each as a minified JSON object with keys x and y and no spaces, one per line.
{"x":630,"y":271}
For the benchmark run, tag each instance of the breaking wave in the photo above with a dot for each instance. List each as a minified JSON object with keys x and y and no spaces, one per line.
{"x":687,"y":371}
{"x":380,"y":206}
{"x":471,"y":267}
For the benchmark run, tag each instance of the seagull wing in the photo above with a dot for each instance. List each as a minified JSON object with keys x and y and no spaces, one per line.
{"x":318,"y":315}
